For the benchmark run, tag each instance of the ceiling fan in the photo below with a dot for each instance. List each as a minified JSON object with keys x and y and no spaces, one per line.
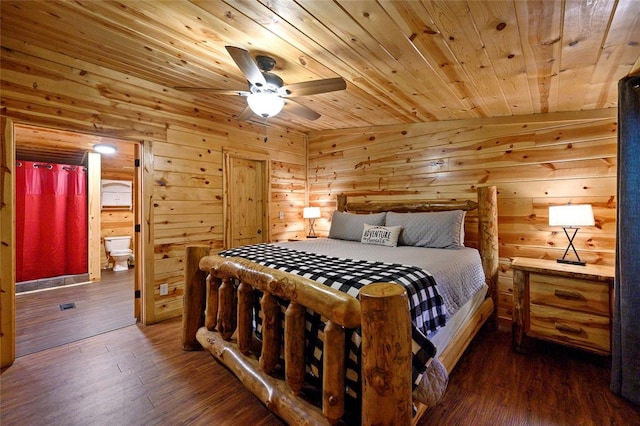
{"x":267,"y":92}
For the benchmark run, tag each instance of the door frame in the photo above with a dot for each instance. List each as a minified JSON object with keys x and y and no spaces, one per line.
{"x":7,"y":246}
{"x":228,"y":155}
{"x":143,"y":244}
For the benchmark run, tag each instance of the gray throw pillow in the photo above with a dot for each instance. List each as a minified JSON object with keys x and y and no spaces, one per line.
{"x":349,"y":226}
{"x":433,"y":229}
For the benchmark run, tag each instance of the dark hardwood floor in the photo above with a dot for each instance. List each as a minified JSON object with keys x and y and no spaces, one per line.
{"x":550,"y":385}
{"x":99,"y":307}
{"x":135,"y":375}
{"x":139,"y":375}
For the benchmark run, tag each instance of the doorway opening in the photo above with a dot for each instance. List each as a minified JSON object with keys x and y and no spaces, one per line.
{"x":102,"y":299}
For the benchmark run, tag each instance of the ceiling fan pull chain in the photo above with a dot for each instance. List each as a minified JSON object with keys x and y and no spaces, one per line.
{"x":266,"y":137}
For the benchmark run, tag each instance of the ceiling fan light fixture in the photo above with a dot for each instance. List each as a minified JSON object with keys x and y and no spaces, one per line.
{"x":265,"y":104}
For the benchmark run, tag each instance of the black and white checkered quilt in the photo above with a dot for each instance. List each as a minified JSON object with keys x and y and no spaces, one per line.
{"x":349,"y":275}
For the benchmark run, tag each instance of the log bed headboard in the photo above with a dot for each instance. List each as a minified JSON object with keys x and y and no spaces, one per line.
{"x":412,"y":207}
{"x":218,"y":316}
{"x":487,"y":223}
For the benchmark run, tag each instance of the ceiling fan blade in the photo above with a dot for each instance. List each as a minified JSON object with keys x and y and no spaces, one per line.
{"x":247,"y":65}
{"x":314,"y":87}
{"x":245,"y":114}
{"x":213,"y":91}
{"x":301,"y":110}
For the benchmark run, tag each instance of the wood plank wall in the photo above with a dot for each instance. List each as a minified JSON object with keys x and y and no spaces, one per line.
{"x":50,"y":89}
{"x":188,"y":197}
{"x":534,"y":160}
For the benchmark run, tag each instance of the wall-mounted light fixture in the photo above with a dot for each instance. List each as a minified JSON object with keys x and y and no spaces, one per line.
{"x":311,"y":213}
{"x":104,"y":148}
{"x":571,"y":216}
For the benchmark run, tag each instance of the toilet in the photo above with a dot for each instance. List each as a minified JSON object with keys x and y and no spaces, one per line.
{"x":118,"y":249}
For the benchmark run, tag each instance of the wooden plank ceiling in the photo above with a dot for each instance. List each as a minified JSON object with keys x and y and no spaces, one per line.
{"x":57,"y":146}
{"x":404,"y":61}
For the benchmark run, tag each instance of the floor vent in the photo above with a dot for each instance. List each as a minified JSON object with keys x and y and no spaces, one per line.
{"x":65,"y":306}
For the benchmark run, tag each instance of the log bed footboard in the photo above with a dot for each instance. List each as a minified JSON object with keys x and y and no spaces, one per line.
{"x":383,"y":306}
{"x":218,"y":317}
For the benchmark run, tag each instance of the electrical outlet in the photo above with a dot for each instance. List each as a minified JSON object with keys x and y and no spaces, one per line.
{"x":164,"y":289}
{"x":281,"y":215}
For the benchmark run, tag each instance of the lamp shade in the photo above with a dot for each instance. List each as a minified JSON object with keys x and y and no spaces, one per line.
{"x":311,"y":212}
{"x":571,"y":215}
{"x":265,"y":104}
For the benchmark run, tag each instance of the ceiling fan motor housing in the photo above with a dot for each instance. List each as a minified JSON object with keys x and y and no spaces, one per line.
{"x":274,"y":84}
{"x":265,"y":63}
{"x":273,"y":81}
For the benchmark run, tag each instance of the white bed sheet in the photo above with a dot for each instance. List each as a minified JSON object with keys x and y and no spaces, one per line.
{"x":443,"y":336}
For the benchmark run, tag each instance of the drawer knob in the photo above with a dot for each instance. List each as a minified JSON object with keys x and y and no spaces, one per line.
{"x":568,"y":295}
{"x":568,"y":329}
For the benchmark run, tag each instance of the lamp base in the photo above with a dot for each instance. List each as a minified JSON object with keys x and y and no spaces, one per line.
{"x":571,"y":246}
{"x":312,"y":236}
{"x":572,"y":262}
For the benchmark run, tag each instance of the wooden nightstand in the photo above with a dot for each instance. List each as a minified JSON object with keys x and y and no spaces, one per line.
{"x":567,"y":304}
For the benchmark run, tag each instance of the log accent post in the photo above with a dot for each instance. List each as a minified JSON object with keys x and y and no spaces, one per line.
{"x":227,"y":309}
{"x":333,"y":372}
{"x":211,"y":311}
{"x":194,"y":296}
{"x":386,"y":355}
{"x":294,"y":323}
{"x":270,"y":311}
{"x":488,"y":240}
{"x":520,"y":283}
{"x":245,"y":317}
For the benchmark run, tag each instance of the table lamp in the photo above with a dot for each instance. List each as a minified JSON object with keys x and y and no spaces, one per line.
{"x":311,"y":213}
{"x":571,"y":216}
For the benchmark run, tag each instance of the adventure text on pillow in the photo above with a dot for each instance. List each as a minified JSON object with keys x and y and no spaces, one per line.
{"x":380,"y":235}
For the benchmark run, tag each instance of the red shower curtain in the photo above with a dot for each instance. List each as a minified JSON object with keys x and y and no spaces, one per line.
{"x":51,"y":220}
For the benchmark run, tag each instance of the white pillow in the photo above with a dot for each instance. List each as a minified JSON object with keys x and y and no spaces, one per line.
{"x":380,"y":235}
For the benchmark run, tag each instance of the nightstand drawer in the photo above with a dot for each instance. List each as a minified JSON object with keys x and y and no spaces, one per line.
{"x":569,"y":327}
{"x":569,"y":293}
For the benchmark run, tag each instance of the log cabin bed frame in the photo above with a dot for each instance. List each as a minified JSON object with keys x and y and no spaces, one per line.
{"x":218,"y":316}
